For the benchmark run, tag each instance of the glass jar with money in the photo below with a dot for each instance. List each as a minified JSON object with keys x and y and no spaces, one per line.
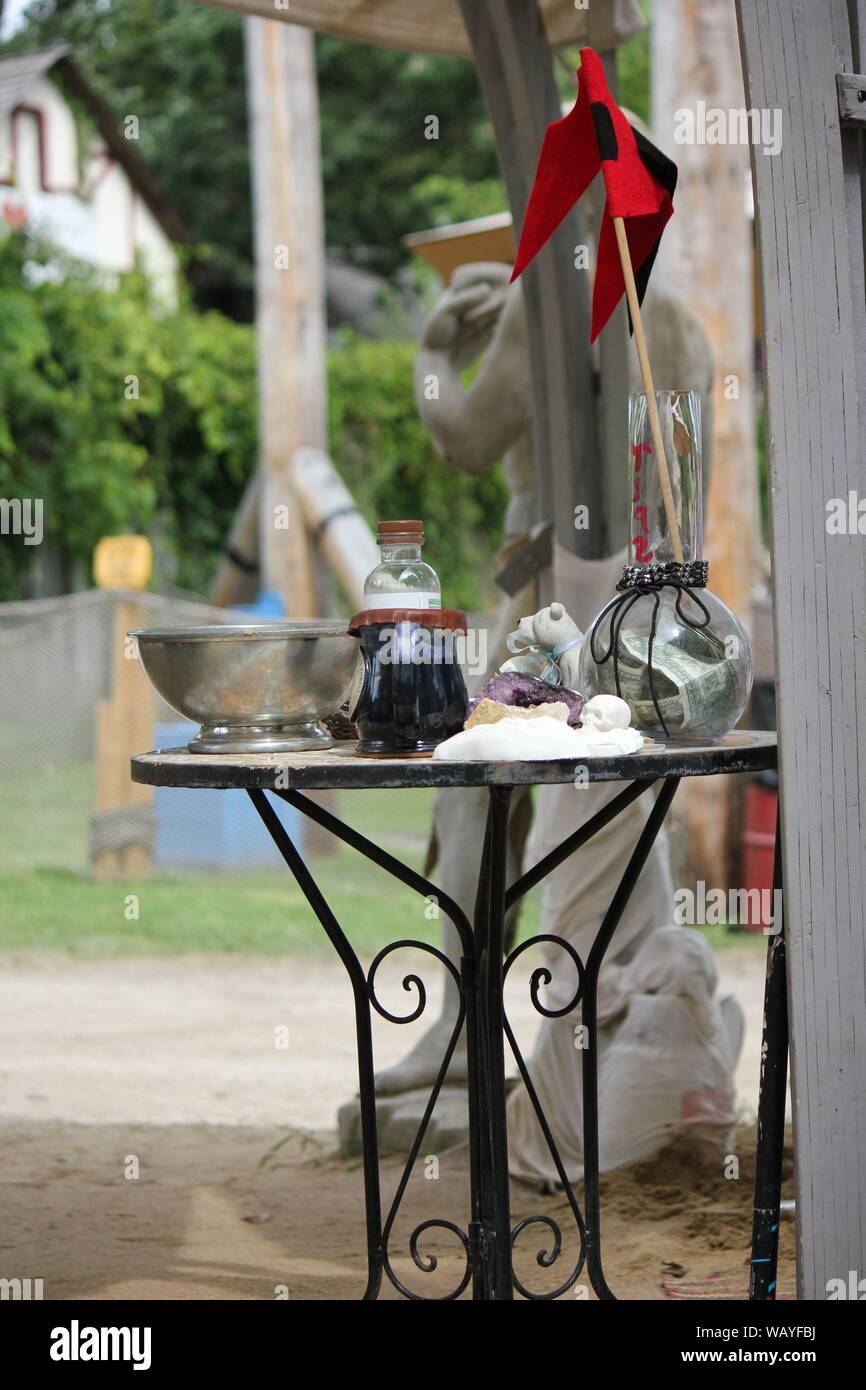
{"x":665,"y":643}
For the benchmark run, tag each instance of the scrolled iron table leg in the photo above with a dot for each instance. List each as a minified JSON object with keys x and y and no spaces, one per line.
{"x":495,"y":1279}
{"x":592,"y":1212}
{"x":365,"y":998}
{"x":588,"y":1222}
{"x":363,"y":1032}
{"x":771,"y":1106}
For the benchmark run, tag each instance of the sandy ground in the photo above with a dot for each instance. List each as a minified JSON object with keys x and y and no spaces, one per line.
{"x":160,"y":1142}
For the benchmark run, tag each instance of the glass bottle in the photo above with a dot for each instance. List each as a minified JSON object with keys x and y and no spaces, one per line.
{"x":650,"y":540}
{"x":669,"y":646}
{"x":401,"y":579}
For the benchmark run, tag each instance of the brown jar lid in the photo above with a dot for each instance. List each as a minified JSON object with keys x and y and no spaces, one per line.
{"x":401,"y":530}
{"x":451,"y":618}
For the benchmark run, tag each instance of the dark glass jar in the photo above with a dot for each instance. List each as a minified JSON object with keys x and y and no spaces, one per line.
{"x":409,"y":693}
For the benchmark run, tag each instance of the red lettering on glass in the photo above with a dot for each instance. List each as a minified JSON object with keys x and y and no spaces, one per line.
{"x":642,"y":553}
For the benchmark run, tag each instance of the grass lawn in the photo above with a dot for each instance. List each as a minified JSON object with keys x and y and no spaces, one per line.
{"x":45,"y":817}
{"x":60,"y":908}
{"x":262,"y":911}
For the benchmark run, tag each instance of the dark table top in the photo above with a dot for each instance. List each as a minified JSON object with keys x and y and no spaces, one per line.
{"x":341,"y":767}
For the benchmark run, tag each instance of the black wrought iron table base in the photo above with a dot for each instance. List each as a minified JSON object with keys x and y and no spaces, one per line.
{"x":488,"y":1237}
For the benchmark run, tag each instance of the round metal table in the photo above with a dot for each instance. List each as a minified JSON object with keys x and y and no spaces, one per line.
{"x":488,"y":1237}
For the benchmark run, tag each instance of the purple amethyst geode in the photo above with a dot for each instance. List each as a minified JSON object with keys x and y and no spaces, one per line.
{"x":514,"y":688}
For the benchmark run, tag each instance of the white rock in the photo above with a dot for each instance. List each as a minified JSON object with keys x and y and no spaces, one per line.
{"x":531,"y":740}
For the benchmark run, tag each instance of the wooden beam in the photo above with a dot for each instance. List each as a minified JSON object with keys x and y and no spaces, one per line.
{"x":290,"y":316}
{"x":514,"y":65}
{"x":810,"y":235}
{"x":707,"y":257}
{"x":344,"y":538}
{"x":237,"y":578}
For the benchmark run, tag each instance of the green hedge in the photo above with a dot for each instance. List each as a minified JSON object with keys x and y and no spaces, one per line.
{"x":124,"y":417}
{"x":384,"y":453}
{"x":118,"y":416}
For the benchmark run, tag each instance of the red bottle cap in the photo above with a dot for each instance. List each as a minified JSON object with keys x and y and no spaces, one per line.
{"x":452,"y":618}
{"x":391,"y":532}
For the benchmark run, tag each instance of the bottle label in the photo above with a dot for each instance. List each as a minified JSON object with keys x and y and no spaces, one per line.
{"x":405,"y":598}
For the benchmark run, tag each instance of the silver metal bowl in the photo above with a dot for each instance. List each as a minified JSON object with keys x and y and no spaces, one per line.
{"x":252,"y":688}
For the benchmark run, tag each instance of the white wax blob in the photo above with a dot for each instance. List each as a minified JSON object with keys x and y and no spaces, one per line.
{"x":532,"y":740}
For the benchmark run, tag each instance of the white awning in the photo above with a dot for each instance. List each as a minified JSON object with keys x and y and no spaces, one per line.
{"x":18,"y":74}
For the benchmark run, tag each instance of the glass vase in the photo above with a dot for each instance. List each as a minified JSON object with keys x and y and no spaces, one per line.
{"x":665,"y":643}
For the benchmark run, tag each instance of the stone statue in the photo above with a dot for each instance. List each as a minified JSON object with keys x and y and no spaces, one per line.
{"x":481,"y":315}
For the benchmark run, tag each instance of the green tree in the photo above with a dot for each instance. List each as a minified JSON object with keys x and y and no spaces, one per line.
{"x":118,"y":415}
{"x":123,"y":416}
{"x":406,"y":144}
{"x":385,"y":454}
{"x":179,"y":67}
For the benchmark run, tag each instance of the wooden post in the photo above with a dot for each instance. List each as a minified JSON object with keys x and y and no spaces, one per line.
{"x":810,"y":222}
{"x":513,"y":59}
{"x":346,"y":541}
{"x":290,"y":317}
{"x":706,"y":257}
{"x":121,"y":830}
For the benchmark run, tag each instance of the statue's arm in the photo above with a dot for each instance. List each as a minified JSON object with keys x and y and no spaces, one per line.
{"x":473,"y":425}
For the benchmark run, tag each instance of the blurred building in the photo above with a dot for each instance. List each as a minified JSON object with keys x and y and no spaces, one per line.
{"x":70,"y":172}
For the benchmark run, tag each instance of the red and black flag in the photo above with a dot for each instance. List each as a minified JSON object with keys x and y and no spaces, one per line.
{"x":640,"y":184}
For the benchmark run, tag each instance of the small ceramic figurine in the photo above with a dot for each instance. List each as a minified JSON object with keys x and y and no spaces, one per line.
{"x":547,"y":644}
{"x":605,"y":712}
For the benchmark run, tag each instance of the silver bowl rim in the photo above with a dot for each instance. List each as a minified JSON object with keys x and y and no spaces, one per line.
{"x":243,"y":632}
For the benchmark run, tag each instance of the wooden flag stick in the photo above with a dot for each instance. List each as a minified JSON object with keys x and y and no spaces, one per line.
{"x":646,"y":374}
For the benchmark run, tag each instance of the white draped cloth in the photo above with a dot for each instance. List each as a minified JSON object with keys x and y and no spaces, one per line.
{"x":574,"y":899}
{"x":665,"y":1056}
